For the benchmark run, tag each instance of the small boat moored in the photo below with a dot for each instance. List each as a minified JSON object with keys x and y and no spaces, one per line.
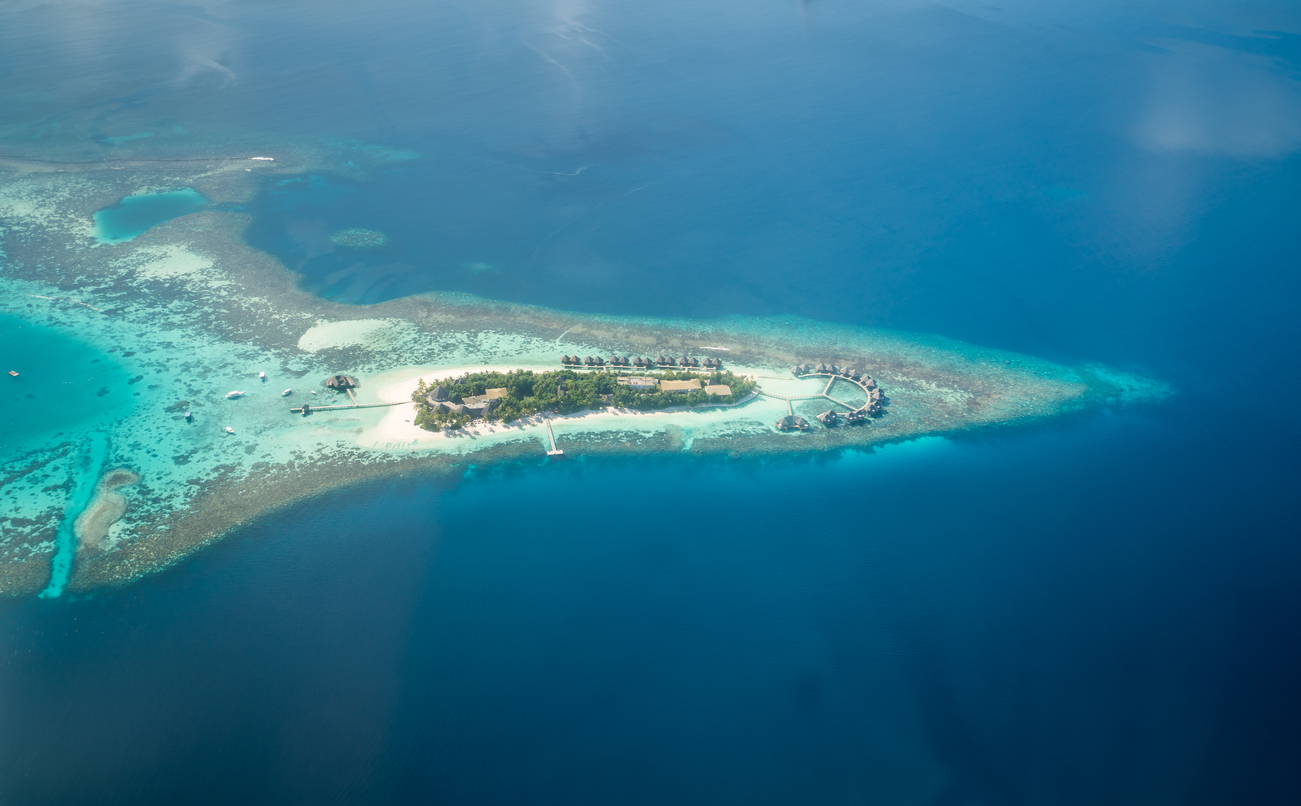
{"x":261,"y":376}
{"x":189,"y":416}
{"x":229,"y":430}
{"x":233,"y":395}
{"x":287,"y":393}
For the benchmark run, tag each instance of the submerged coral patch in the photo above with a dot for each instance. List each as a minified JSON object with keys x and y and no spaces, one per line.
{"x":358,"y":238}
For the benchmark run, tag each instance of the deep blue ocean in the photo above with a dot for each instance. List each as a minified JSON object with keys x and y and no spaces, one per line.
{"x":1100,"y":609}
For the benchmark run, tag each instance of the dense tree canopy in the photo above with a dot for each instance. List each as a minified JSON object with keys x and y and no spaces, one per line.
{"x":567,"y":391}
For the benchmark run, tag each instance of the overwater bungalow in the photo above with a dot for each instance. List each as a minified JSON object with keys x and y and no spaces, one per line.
{"x":341,"y":382}
{"x":868,"y":383}
{"x":792,"y":423}
{"x":828,"y":417}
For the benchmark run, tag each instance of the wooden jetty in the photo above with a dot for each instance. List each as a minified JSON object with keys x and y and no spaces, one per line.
{"x":552,"y":436}
{"x":307,"y":408}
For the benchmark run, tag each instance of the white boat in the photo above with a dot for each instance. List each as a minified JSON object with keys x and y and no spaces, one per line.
{"x":261,"y":376}
{"x":188,"y":416}
{"x":229,"y":430}
{"x":287,"y":393}
{"x":313,"y":391}
{"x":233,"y":395}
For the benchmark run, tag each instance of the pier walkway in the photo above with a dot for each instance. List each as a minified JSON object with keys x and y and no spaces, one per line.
{"x":310,"y":408}
{"x":552,"y":436}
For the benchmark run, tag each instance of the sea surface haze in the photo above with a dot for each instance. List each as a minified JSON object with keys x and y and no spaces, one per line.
{"x":1099,"y":609}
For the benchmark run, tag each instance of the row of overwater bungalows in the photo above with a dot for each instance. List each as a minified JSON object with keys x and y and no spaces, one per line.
{"x":875,"y":400}
{"x":641,"y":363}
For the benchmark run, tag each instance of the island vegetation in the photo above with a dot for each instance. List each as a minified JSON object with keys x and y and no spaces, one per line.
{"x":508,"y":396}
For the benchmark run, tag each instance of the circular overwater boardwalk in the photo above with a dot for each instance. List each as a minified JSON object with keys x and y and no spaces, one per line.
{"x":855,"y":415}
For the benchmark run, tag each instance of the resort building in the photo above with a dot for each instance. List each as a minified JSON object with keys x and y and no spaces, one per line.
{"x":718,"y":389}
{"x":638,"y":382}
{"x":679,"y":386}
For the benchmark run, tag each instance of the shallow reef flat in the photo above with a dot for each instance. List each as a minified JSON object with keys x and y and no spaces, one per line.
{"x":188,"y":312}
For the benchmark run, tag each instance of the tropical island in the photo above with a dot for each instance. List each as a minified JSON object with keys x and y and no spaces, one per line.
{"x":128,"y":449}
{"x":510,"y":396}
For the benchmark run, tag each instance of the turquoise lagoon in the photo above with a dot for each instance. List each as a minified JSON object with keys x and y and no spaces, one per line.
{"x":61,"y":382}
{"x":134,"y":215}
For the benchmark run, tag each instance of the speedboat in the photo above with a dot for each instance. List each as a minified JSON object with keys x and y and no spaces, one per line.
{"x":261,"y":376}
{"x":313,"y":391}
{"x":287,"y":393}
{"x":188,"y":416}
{"x":233,"y":395}
{"x":229,"y":430}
